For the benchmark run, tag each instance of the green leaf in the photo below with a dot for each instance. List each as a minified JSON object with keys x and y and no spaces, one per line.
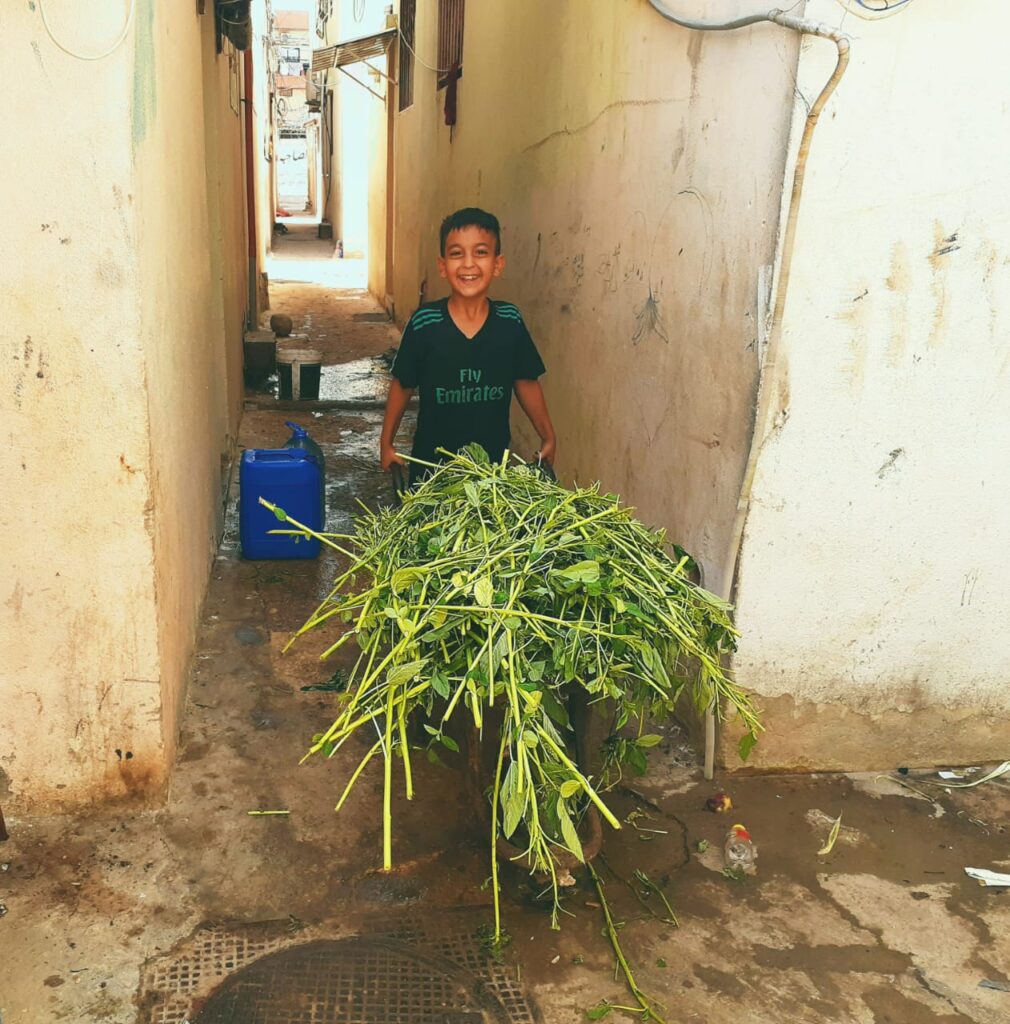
{"x":599,"y":1011}
{"x":400,"y":674}
{"x":459,"y":581}
{"x":471,"y":492}
{"x":403,"y":578}
{"x":513,"y":803}
{"x":650,"y":739}
{"x":530,"y":739}
{"x":582,"y":572}
{"x":281,"y":514}
{"x":535,"y":670}
{"x":555,"y":710}
{"x":440,"y":685}
{"x":484,"y":592}
{"x":448,"y":741}
{"x":636,"y":759}
{"x":747,"y":743}
{"x":569,"y":788}
{"x":568,"y":833}
{"x":512,"y":622}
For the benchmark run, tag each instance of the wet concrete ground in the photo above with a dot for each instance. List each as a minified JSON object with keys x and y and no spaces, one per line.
{"x":885,"y":928}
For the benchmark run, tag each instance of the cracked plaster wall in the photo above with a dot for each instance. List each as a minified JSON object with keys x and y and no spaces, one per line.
{"x":637,"y":172}
{"x":871,"y":595}
{"x":117,"y":397}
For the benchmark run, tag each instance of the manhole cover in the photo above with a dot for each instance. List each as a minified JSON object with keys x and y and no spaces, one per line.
{"x":352,"y":981}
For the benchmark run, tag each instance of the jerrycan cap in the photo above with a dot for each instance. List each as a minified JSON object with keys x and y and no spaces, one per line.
{"x":298,"y":431}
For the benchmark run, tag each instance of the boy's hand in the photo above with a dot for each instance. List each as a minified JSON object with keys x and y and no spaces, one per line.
{"x":531,"y":399}
{"x":388,"y":457}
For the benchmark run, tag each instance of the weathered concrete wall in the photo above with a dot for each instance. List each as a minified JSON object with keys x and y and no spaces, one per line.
{"x":381,"y":209}
{"x":262,"y":146}
{"x":354,"y":155}
{"x":637,"y":171}
{"x":184,"y":337}
{"x":872,"y":593}
{"x":116,"y":397}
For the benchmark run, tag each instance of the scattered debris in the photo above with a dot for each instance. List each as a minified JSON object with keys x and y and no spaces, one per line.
{"x":832,"y":838}
{"x":264,"y":814}
{"x":651,"y":888}
{"x":740,"y":852}
{"x":646,"y":1008}
{"x":3,"y":909}
{"x":719,"y":803}
{"x":996,"y":773}
{"x":337,"y":683}
{"x":702,"y":845}
{"x":578,"y":959}
{"x":996,"y":986}
{"x":988,"y":878}
{"x":556,"y":958}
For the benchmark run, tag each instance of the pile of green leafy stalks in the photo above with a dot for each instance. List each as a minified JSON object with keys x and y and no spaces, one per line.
{"x":492,"y":585}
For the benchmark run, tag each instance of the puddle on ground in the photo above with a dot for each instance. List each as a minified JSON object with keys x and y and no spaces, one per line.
{"x":362,"y":380}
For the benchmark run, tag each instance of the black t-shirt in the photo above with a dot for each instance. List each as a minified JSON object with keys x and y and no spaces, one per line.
{"x":465,"y":383}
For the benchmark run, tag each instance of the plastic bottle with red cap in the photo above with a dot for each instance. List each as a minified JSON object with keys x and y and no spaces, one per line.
{"x":740,"y":852}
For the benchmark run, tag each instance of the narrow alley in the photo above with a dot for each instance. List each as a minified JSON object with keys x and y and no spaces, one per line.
{"x":734,"y":284}
{"x":125,"y":916}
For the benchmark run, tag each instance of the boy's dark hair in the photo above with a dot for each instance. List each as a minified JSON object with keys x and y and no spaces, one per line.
{"x":470,"y":217}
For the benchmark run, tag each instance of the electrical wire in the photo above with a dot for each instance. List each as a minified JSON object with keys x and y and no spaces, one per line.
{"x":89,"y":56}
{"x":403,"y":38}
{"x":863,"y":9}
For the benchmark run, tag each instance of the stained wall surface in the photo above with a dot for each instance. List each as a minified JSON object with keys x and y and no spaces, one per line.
{"x":119,"y":391}
{"x":872,"y":594}
{"x":637,"y":170}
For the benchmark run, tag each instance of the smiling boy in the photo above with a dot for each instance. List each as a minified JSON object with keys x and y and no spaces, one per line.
{"x":467,"y":354}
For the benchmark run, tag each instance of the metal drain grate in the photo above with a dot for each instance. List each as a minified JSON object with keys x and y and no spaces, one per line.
{"x":352,"y":981}
{"x":175,"y":986}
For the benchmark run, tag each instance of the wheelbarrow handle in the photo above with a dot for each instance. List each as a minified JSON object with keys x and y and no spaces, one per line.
{"x":399,"y":482}
{"x":547,"y":469}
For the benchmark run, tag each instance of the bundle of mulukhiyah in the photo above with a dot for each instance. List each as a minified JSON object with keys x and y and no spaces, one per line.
{"x":494,"y":587}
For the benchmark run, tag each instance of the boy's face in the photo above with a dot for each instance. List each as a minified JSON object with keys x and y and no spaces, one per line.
{"x":470,"y":263}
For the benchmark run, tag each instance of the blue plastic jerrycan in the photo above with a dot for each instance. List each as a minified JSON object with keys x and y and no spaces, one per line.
{"x":290,"y":478}
{"x":300,"y":439}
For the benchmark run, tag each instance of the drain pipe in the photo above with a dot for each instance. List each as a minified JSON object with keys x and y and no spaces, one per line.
{"x":252,"y":317}
{"x":769,"y":369}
